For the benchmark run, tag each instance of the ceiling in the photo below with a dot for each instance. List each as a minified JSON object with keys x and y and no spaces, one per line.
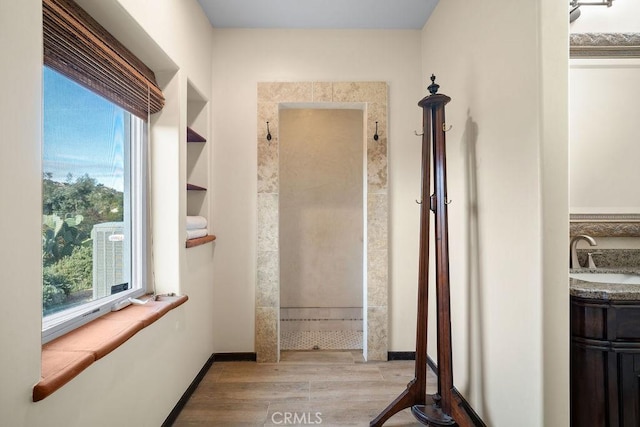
{"x":319,"y":14}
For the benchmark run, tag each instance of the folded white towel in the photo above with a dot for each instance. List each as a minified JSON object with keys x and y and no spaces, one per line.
{"x":196,"y":222}
{"x":194,"y":234}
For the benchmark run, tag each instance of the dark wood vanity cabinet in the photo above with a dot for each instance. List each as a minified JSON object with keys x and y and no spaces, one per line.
{"x":605,"y":363}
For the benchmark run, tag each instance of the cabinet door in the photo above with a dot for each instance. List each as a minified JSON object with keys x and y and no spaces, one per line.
{"x":589,"y":400}
{"x":629,"y":381}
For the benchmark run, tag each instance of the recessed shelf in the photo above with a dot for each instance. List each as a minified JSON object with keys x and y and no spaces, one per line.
{"x":193,"y":136}
{"x":193,"y":187}
{"x":197,"y":151}
{"x":200,"y":241}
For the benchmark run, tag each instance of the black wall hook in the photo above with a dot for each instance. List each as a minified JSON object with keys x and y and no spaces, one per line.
{"x":375,"y":136}
{"x":268,"y":133}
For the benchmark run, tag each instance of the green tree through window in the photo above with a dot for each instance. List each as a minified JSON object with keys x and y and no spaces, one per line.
{"x":84,"y":187}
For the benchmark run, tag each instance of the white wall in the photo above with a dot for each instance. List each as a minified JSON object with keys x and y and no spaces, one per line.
{"x":320,"y":207}
{"x":621,"y":17}
{"x":611,"y":87}
{"x":605,"y":100}
{"x":21,"y":173}
{"x":242,"y":58}
{"x":504,"y":64}
{"x":140,"y":382}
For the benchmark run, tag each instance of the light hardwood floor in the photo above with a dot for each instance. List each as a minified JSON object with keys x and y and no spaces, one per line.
{"x":327,"y":388}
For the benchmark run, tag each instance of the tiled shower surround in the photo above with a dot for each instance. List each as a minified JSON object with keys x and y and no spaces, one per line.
{"x":372,"y":98}
{"x":320,"y":319}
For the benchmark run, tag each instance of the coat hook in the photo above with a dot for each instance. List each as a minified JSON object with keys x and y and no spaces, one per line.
{"x":375,"y":136}
{"x":268,"y":133}
{"x":419,"y":202}
{"x":417,"y":134}
{"x":444,"y":127}
{"x":448,"y":202}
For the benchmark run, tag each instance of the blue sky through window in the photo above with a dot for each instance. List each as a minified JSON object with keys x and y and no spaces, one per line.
{"x":83,"y":133}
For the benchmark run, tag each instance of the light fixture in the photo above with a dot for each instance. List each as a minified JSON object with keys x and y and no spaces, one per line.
{"x":574,"y":13}
{"x":574,"y":7}
{"x":577,"y":3}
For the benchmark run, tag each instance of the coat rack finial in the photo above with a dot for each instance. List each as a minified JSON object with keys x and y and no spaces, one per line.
{"x":433,"y":87}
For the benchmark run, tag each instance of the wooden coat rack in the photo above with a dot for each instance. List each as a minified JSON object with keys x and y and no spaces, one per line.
{"x":443,"y":408}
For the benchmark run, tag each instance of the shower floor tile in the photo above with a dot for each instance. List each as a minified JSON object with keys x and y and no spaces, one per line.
{"x":321,"y":340}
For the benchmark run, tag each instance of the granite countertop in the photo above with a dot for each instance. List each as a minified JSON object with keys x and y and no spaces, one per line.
{"x":605,"y":291}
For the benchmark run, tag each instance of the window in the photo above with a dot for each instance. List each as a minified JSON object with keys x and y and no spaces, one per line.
{"x":93,"y":207}
{"x":98,"y":96}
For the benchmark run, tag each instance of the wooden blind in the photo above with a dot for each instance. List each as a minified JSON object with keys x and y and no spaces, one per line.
{"x":78,"y":47}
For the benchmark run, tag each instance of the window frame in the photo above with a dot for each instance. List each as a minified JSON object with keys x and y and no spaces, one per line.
{"x":136,"y":135}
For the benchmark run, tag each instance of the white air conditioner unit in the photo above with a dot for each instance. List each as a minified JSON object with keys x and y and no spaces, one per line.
{"x":109,"y":275}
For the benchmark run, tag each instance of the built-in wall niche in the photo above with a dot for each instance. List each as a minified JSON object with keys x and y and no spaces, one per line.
{"x":197,"y":167}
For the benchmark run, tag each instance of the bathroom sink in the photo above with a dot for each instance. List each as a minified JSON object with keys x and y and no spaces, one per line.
{"x":627,"y":279}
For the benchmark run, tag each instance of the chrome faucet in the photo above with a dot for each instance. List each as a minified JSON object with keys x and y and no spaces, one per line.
{"x":573,"y":253}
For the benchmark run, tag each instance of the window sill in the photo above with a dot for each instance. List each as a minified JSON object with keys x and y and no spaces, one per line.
{"x":65,"y":357}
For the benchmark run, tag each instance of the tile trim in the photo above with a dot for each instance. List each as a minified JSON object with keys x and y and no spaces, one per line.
{"x":375,"y":97}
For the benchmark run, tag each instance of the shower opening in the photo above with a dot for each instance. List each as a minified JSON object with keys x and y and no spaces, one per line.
{"x":322,"y":228}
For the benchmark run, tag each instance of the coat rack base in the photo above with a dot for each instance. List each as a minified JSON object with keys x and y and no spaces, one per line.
{"x":413,"y":394}
{"x":430,"y":414}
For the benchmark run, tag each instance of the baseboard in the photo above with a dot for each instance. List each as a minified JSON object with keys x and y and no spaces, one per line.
{"x":234,"y":357}
{"x":215,"y":357}
{"x":432,"y":365}
{"x":401,"y":355}
{"x":173,"y":415}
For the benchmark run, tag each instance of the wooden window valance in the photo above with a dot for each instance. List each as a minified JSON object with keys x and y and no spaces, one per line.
{"x":77,"y":46}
